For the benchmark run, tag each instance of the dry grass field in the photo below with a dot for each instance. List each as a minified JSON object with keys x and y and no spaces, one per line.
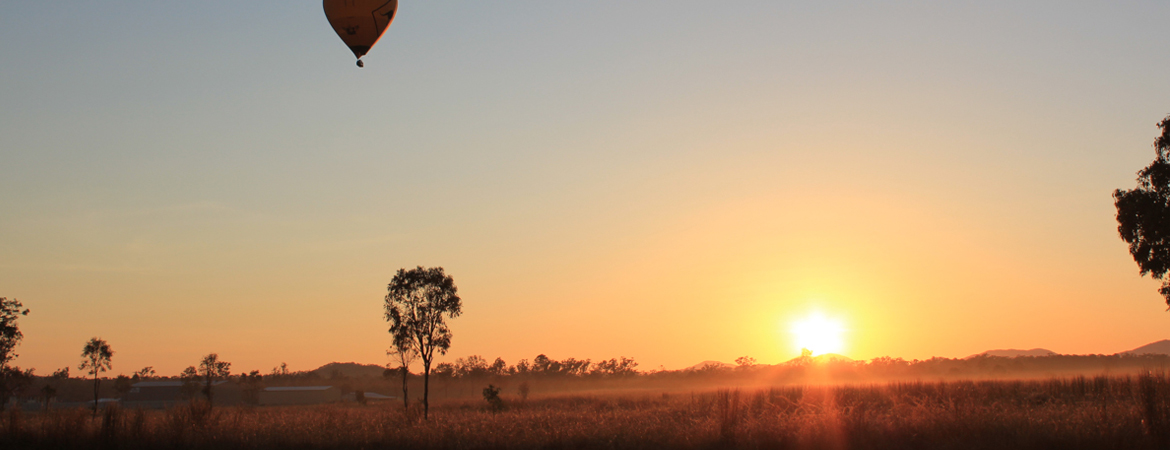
{"x":1066,"y":413}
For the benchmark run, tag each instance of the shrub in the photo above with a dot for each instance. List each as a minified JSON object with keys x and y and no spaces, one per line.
{"x":492,"y":395}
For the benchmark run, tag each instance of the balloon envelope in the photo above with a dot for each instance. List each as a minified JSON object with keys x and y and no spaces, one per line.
{"x":360,"y":22}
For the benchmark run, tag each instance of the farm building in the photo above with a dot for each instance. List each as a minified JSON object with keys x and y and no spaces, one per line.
{"x":299,"y":395}
{"x":162,"y":394}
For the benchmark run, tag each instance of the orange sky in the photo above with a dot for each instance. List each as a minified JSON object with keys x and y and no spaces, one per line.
{"x":678,"y":188}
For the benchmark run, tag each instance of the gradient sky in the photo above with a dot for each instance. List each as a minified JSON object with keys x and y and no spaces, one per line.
{"x":673,"y":181}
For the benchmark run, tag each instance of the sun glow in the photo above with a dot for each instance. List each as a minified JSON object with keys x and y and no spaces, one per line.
{"x":819,"y":334}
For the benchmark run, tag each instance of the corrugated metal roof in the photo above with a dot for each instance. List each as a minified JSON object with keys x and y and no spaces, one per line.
{"x":297,"y":388}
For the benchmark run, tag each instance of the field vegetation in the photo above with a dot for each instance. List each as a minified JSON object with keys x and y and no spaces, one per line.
{"x":1124,"y":412}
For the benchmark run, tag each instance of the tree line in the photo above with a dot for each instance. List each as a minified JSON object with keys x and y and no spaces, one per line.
{"x":97,"y":357}
{"x":476,"y":366}
{"x":417,"y":304}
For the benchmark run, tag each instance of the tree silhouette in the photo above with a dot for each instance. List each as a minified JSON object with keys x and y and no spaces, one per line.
{"x":190,"y":379}
{"x":403,"y":353}
{"x":122,"y":385}
{"x":523,"y":390}
{"x":48,"y":393}
{"x":145,"y":374}
{"x":1143,"y":214}
{"x":492,"y":395}
{"x":10,"y":335}
{"x":11,"y":378}
{"x":280,"y":371}
{"x":498,"y":367}
{"x":471,"y":366}
{"x":615,"y":367}
{"x":417,"y":302}
{"x":96,"y":357}
{"x":252,"y":383}
{"x":542,"y":363}
{"x":212,"y":369}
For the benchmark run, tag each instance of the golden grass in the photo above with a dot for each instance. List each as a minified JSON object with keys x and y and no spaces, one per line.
{"x":1070,"y":413}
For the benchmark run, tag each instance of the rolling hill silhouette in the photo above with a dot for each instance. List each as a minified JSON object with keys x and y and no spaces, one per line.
{"x":349,"y":370}
{"x":831,"y":357}
{"x":358,"y":370}
{"x":824,"y":358}
{"x":708,"y":365}
{"x":1012,"y":353}
{"x":1161,"y":347}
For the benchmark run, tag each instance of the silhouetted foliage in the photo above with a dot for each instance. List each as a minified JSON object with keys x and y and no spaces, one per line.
{"x":49,"y":390}
{"x":211,"y":369}
{"x":48,"y":393}
{"x":251,"y":384}
{"x":492,"y":395}
{"x":523,"y":391}
{"x":190,"y":379}
{"x":710,"y":367}
{"x":615,"y":367}
{"x":417,"y":303}
{"x":403,"y":352}
{"x":805,"y":358}
{"x":281,"y":370}
{"x":444,"y":370}
{"x":498,"y":367}
{"x":11,"y":378}
{"x":543,"y":365}
{"x":1143,"y":214}
{"x":521,"y":367}
{"x":122,"y":385}
{"x":145,"y":373}
{"x":10,"y":335}
{"x":745,"y":362}
{"x":476,"y":366}
{"x":96,"y":357}
{"x":473,"y":366}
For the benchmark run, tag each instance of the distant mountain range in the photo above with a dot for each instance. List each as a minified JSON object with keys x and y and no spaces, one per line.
{"x":358,"y":370}
{"x":824,"y":358}
{"x":349,"y":370}
{"x":831,"y":357}
{"x":1161,"y":347}
{"x":1012,"y":353}
{"x":708,"y":365}
{"x":1155,"y":348}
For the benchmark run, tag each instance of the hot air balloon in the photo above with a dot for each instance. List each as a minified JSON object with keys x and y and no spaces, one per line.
{"x":360,"y":22}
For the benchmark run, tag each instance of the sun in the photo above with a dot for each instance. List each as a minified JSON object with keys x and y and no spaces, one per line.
{"x":819,"y":334}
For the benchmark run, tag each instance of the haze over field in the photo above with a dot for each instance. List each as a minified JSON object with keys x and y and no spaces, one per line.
{"x":661,"y":180}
